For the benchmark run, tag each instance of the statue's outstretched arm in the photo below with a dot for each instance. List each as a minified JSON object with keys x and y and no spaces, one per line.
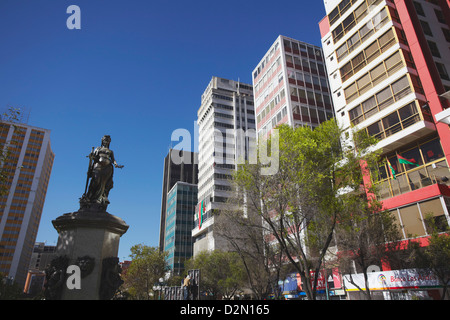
{"x":116,"y":165}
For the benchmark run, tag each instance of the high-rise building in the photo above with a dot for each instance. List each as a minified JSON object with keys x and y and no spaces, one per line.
{"x":181,"y":202}
{"x":179,"y":165}
{"x":226,"y":120}
{"x":388,"y":64}
{"x":28,"y":169}
{"x":291,"y":86}
{"x":42,"y":256}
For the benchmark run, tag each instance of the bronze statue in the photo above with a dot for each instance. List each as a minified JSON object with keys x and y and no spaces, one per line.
{"x":86,"y":265}
{"x":55,"y":277}
{"x":100,"y":172}
{"x":111,"y":280}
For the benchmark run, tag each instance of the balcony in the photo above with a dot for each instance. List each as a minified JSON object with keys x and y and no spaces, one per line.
{"x":423,"y":176}
{"x":443,"y":116}
{"x":402,"y":133}
{"x":207,"y":222}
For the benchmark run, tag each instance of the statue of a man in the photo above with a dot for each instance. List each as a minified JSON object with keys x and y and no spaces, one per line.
{"x":101,"y":170}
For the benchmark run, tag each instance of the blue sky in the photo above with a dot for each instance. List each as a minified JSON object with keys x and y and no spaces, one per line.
{"x":135,"y":70}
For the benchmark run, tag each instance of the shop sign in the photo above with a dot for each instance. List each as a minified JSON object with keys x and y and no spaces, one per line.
{"x":320,"y":279}
{"x":337,"y":278}
{"x":394,"y":279}
{"x":334,"y":277}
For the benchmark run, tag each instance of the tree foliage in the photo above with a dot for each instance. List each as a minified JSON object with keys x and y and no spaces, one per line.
{"x":148,"y":265}
{"x":435,"y":257}
{"x":368,"y":236}
{"x":9,"y":290}
{"x":222,"y":273}
{"x":244,"y":233}
{"x":301,"y":204}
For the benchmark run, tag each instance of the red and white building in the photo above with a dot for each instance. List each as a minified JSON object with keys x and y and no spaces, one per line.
{"x":388,"y":65}
{"x":290,"y":86}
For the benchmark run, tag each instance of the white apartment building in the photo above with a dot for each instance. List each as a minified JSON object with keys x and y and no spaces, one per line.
{"x":226,"y":121}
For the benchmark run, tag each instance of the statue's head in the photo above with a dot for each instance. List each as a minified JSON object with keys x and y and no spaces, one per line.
{"x":106,"y":140}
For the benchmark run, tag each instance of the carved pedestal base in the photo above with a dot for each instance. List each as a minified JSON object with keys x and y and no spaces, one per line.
{"x":89,"y":240}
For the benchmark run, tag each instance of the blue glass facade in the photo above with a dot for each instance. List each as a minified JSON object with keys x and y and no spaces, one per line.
{"x":181,"y":201}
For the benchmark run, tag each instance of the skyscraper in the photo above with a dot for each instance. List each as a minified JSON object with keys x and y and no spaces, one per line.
{"x":179,"y":165}
{"x":388,"y":65}
{"x":181,"y":202}
{"x":28,"y":169}
{"x":291,"y":86}
{"x":226,"y":120}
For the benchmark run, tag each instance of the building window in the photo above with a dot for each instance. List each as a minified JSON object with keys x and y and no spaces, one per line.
{"x":367,"y":55}
{"x":394,"y":122}
{"x":446,"y":33}
{"x":287,"y":44}
{"x":362,"y":34}
{"x":433,"y":209}
{"x":442,"y":71}
{"x":413,"y":218}
{"x":440,"y":16}
{"x":380,"y":100}
{"x":419,"y":9}
{"x":374,"y":76}
{"x":434,"y":49}
{"x":410,"y":217}
{"x":431,"y":165}
{"x":426,"y":28}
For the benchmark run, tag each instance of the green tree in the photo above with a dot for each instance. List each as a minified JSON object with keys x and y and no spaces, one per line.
{"x":244,"y":234}
{"x":148,"y":265}
{"x":434,"y":257}
{"x":221,"y":273}
{"x":302,"y":202}
{"x":9,"y":290}
{"x":368,"y":236}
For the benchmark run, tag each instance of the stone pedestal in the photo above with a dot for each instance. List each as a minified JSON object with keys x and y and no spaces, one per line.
{"x":90,"y":240}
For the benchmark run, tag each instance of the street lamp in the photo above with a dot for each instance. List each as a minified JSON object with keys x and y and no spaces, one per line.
{"x":159,"y":287}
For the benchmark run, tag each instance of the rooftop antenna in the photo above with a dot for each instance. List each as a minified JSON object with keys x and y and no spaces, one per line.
{"x":28,"y":116}
{"x":239,"y":83}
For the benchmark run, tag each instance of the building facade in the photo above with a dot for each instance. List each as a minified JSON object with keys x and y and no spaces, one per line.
{"x":388,"y":64}
{"x":226,"y":120}
{"x":291,"y":86}
{"x":181,"y":202}
{"x":179,"y":165}
{"x":40,"y":258}
{"x":28,"y":167}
